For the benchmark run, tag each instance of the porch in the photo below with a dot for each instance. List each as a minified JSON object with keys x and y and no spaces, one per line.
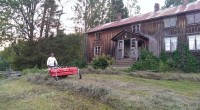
{"x":128,"y":47}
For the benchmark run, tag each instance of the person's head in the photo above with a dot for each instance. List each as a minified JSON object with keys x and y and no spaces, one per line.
{"x":52,"y":54}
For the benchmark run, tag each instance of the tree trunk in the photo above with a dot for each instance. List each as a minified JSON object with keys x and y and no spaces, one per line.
{"x":43,"y":18}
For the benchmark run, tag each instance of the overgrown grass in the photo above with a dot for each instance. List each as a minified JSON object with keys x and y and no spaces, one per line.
{"x":34,"y":70}
{"x":21,"y":95}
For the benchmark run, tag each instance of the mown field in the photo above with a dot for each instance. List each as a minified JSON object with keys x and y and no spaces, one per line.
{"x":99,"y":92}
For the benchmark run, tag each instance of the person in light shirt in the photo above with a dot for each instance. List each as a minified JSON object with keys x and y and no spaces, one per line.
{"x":51,"y":61}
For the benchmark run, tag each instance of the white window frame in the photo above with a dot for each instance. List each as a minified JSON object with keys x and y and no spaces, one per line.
{"x":97,"y":50}
{"x":171,"y":43}
{"x":195,"y":40}
{"x":136,"y":28}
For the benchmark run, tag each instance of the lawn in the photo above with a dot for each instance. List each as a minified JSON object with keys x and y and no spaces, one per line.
{"x":99,"y":92}
{"x":22,"y":95}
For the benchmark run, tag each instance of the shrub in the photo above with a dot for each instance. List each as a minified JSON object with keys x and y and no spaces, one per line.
{"x":3,"y":64}
{"x":34,"y":70}
{"x":147,"y":61}
{"x":81,"y":63}
{"x":100,"y":62}
{"x":184,"y":60}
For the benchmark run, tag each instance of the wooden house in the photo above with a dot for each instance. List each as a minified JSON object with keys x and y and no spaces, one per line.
{"x":155,"y":31}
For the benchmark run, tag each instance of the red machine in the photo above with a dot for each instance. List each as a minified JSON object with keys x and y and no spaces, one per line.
{"x":65,"y":71}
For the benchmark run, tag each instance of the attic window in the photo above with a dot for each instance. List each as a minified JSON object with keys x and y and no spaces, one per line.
{"x":97,"y":36}
{"x":170,"y":22}
{"x":193,"y":18}
{"x":136,"y":28}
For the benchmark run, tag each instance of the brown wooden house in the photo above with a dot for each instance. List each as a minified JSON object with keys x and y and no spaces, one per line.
{"x":154,"y":31}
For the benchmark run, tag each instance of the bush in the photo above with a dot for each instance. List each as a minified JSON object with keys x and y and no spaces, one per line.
{"x":34,"y":70}
{"x":3,"y":64}
{"x":184,"y":60}
{"x":81,"y":63}
{"x":100,"y":62}
{"x":147,"y":61}
{"x":28,"y":54}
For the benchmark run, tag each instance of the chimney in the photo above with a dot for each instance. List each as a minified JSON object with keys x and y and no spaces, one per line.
{"x":185,"y":2}
{"x":156,"y":7}
{"x":118,"y":16}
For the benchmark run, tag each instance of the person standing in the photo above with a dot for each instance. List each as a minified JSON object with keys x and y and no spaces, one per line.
{"x":51,"y":61}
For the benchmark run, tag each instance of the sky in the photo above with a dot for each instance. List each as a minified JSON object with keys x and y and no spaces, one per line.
{"x":148,"y":5}
{"x":68,"y":25}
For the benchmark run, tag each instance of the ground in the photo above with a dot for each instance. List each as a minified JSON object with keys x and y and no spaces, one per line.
{"x":119,"y":90}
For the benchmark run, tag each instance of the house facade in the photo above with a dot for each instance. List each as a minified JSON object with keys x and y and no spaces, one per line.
{"x":154,"y":31}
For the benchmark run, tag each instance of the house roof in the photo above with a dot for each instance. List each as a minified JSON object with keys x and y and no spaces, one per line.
{"x":148,"y":16}
{"x":125,"y":31}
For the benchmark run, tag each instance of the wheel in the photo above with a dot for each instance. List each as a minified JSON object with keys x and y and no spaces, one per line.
{"x":79,"y":74}
{"x":56,"y":78}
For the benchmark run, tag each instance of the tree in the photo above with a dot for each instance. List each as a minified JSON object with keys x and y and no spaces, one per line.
{"x":20,"y":17}
{"x":50,"y":17}
{"x":132,"y":7}
{"x":90,"y":13}
{"x":116,"y":7}
{"x":169,"y":3}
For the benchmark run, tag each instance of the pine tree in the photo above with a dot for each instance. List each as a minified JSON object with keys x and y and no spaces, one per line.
{"x":169,"y":3}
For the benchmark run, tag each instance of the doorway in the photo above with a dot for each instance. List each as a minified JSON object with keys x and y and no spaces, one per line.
{"x":127,"y":48}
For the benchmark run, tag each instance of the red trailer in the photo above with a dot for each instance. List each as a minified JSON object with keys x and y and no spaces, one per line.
{"x":65,"y":71}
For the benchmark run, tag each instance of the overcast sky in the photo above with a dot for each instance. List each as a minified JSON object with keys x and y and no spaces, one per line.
{"x":146,"y":6}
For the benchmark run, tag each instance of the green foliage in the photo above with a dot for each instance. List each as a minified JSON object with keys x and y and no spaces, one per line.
{"x":169,"y":3}
{"x":26,"y":54}
{"x":102,"y":62}
{"x":4,"y":65}
{"x":34,"y":70}
{"x":117,"y":6}
{"x":147,"y":61}
{"x":184,"y":60}
{"x":81,"y":63}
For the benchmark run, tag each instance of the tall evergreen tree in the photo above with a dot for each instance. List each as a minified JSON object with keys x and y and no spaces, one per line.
{"x":90,"y":13}
{"x":133,"y":7}
{"x":116,"y":7}
{"x":169,"y":3}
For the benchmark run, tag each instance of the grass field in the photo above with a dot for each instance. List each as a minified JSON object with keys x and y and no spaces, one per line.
{"x":113,"y":91}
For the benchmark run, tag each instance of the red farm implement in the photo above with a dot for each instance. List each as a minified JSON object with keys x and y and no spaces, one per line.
{"x":64,"y":71}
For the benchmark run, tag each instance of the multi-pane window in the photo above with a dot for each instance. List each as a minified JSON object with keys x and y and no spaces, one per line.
{"x":170,"y":43}
{"x":136,"y":28}
{"x":194,"y":42}
{"x":193,"y":18}
{"x":170,"y":22}
{"x":97,"y":36}
{"x":97,"y":50}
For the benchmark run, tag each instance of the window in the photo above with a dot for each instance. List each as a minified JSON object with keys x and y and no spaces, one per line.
{"x":193,"y":18}
{"x":136,"y":28}
{"x":194,"y":42}
{"x":170,"y":43}
{"x":97,"y":50}
{"x":170,"y":22}
{"x":97,"y":36}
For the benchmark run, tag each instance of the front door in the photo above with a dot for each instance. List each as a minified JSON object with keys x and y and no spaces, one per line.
{"x":120,"y":49}
{"x":133,"y":48}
